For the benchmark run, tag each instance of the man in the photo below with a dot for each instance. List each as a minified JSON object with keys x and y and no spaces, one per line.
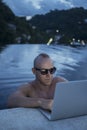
{"x":39,"y":92}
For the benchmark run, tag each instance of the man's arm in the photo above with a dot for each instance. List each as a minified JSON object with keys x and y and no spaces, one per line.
{"x":61,"y":79}
{"x":19,"y":99}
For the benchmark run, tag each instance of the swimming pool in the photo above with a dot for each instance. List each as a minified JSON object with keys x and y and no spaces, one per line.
{"x":17,"y":60}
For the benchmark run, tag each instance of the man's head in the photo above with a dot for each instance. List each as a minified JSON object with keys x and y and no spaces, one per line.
{"x":44,"y":69}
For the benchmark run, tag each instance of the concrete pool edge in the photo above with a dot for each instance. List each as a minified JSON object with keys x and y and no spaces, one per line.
{"x":27,"y":118}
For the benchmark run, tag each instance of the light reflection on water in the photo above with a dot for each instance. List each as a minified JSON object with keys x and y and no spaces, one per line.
{"x":18,"y":59}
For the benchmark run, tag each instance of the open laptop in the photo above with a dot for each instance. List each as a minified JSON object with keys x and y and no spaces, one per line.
{"x":70,"y":100}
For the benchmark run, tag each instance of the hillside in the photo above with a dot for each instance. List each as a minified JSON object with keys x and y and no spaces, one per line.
{"x":67,"y":24}
{"x":62,"y":26}
{"x":15,"y":29}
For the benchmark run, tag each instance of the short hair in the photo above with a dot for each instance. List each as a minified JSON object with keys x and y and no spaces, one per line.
{"x":43,"y":55}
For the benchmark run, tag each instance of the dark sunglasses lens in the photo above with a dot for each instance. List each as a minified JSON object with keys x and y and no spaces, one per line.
{"x":52,"y":71}
{"x":43,"y":72}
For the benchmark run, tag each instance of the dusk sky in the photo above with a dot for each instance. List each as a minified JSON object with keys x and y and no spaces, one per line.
{"x":32,"y":7}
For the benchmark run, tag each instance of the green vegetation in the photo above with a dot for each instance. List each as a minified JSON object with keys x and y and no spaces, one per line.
{"x":15,"y":29}
{"x":71,"y":24}
{"x":62,"y":26}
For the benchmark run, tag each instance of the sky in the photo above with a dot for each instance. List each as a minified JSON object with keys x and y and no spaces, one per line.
{"x":33,"y":7}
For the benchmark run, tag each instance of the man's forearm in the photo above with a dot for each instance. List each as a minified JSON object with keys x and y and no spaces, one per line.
{"x":24,"y":102}
{"x":29,"y":102}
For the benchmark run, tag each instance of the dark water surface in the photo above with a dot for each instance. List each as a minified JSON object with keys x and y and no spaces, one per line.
{"x":17,"y":60}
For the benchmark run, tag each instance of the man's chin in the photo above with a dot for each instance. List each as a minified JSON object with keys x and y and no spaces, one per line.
{"x":47,"y":83}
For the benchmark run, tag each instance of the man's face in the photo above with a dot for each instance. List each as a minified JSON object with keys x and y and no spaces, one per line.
{"x":44,"y":66}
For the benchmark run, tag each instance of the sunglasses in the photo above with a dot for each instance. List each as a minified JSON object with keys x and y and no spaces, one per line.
{"x":45,"y":71}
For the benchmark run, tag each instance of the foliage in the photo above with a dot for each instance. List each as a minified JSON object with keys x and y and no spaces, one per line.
{"x":71,"y":24}
{"x":15,"y":29}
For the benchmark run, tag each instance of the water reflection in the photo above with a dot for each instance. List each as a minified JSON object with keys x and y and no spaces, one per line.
{"x":18,"y":59}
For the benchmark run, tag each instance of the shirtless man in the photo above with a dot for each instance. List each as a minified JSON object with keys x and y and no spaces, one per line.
{"x":39,"y":92}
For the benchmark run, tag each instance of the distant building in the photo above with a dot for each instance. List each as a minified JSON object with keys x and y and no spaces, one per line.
{"x":85,"y":20}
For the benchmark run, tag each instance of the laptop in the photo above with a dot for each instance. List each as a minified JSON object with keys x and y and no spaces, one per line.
{"x":70,"y":100}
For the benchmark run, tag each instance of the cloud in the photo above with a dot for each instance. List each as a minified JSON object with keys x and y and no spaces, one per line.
{"x":32,"y":7}
{"x":55,"y":4}
{"x":80,"y":3}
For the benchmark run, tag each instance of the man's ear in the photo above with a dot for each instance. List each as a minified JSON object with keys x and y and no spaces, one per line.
{"x":33,"y":70}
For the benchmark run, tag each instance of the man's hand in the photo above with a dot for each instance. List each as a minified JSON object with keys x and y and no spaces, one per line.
{"x":46,"y":104}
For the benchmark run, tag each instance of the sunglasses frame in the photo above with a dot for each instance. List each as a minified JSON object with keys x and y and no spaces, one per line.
{"x":45,"y":71}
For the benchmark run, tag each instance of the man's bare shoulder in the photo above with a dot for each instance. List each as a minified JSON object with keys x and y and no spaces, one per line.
{"x":60,"y":79}
{"x":23,"y":90}
{"x":26,"y":87}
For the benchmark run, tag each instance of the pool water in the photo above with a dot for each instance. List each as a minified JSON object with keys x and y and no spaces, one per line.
{"x":18,"y":59}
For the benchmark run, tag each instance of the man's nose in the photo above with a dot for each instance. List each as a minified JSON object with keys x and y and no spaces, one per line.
{"x":48,"y":74}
